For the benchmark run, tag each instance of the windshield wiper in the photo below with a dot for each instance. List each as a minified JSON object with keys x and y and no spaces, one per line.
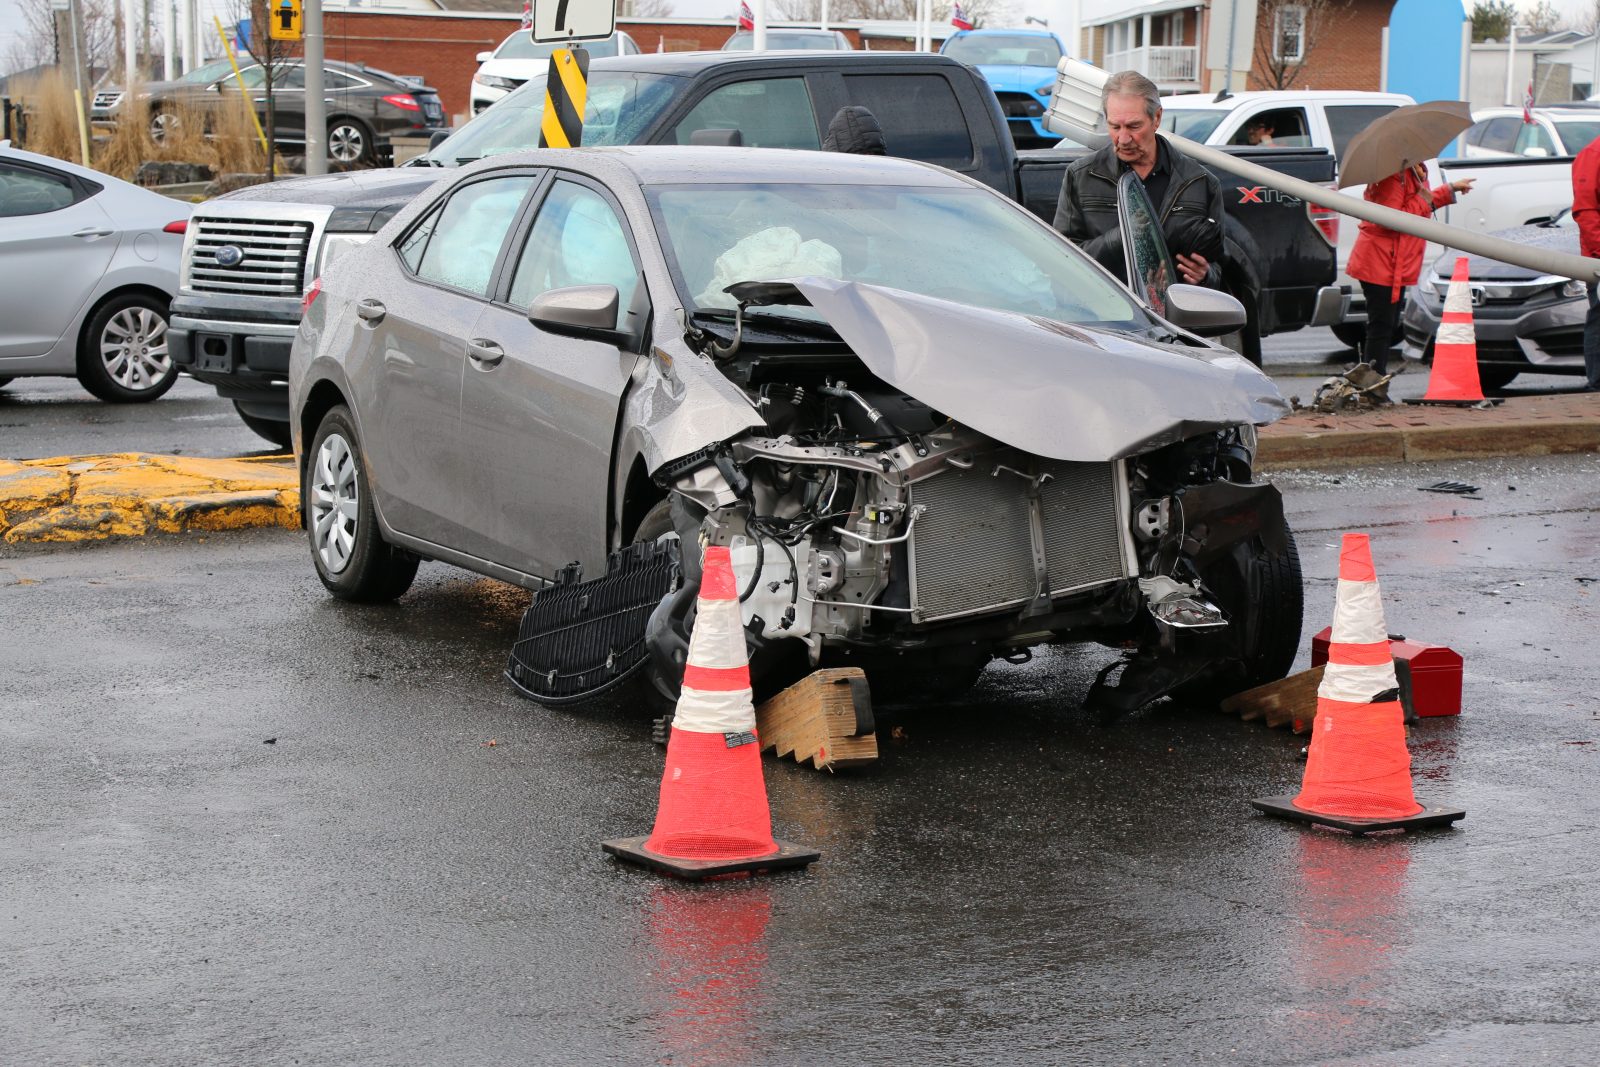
{"x":462,"y":161}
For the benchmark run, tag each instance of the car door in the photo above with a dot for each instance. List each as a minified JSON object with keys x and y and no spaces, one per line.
{"x":288,"y":100}
{"x":539,"y":409}
{"x":55,"y":244}
{"x":417,"y":310}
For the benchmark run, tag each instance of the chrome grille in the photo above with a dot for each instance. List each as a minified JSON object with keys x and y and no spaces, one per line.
{"x":972,"y":547}
{"x":273,"y":264}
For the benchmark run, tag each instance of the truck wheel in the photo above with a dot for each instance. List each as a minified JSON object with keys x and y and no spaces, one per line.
{"x":349,"y":141}
{"x":122,"y":354}
{"x":1351,"y":334}
{"x":4,"y":382}
{"x":352,"y":559}
{"x":1261,"y":591}
{"x":268,"y":429}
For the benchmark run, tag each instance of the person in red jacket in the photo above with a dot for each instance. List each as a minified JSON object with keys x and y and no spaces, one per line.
{"x":1586,"y":212}
{"x":1385,"y":261}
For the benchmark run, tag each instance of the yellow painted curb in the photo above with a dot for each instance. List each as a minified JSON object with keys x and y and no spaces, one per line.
{"x":130,"y":494}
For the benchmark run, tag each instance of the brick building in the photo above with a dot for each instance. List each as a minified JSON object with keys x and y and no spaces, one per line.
{"x":1342,"y":48}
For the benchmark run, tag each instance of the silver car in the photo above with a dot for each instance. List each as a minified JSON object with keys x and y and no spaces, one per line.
{"x":931,"y":431}
{"x":88,"y":267}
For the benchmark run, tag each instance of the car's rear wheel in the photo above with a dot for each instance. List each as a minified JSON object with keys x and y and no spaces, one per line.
{"x":162,"y":122}
{"x":268,"y":429}
{"x":352,"y":559}
{"x":1351,"y":334}
{"x":122,"y":354}
{"x":349,"y":141}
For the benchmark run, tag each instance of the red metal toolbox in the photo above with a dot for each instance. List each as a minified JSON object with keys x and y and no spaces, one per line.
{"x":1435,"y":672}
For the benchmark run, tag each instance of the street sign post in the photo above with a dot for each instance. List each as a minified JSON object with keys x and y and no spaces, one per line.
{"x":285,"y":23}
{"x":557,"y":21}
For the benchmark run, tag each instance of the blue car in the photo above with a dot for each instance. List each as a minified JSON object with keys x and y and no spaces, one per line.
{"x":1020,"y":66}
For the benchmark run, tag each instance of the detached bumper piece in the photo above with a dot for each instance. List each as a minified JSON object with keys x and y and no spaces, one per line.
{"x":579,"y":639}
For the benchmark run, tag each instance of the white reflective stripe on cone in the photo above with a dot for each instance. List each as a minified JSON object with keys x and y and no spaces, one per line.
{"x":700,"y":712}
{"x":717,"y":639}
{"x":1455,"y":333}
{"x":1356,"y":685}
{"x":1358,"y":614}
{"x":1458,"y":297}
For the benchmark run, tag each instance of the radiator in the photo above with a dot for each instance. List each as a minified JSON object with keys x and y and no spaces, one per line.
{"x":971,"y":550}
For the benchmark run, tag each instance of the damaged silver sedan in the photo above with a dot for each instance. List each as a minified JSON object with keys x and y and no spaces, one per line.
{"x":932,"y":432}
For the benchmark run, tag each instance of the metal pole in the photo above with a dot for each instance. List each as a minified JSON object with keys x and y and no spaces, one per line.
{"x":316,"y":105}
{"x":1233,"y":28}
{"x":130,"y":59}
{"x":758,"y":34}
{"x":1511,"y":61}
{"x":824,"y":23}
{"x":169,"y":56}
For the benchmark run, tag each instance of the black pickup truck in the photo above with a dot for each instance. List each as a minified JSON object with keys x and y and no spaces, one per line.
{"x":250,"y":256}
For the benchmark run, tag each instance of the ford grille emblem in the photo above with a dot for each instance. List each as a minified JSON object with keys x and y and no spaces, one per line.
{"x":230,"y":256}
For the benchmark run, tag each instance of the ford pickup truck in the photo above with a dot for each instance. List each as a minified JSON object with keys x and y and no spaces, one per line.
{"x":250,"y":256}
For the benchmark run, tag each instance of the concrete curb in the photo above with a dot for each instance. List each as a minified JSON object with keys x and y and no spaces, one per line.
{"x":1521,"y":426}
{"x":130,"y":494}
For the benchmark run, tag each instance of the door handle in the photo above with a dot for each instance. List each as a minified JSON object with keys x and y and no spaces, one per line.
{"x":485,"y":353}
{"x":370,"y":310}
{"x":89,"y":233}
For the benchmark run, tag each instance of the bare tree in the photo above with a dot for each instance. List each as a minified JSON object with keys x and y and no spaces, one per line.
{"x":650,"y":9}
{"x":274,"y":58}
{"x":1542,"y":18}
{"x":980,"y":11}
{"x":1286,"y":31}
{"x":36,"y":43}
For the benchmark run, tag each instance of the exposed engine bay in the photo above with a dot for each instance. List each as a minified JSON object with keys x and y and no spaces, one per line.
{"x":868,"y":526}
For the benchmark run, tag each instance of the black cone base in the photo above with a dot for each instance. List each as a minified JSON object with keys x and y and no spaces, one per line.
{"x":632,"y":849}
{"x":1284,"y":808}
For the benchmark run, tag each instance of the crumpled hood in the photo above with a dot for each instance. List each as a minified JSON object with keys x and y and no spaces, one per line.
{"x":1063,"y":392}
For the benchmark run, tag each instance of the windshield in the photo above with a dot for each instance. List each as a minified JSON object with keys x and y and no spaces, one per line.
{"x":521,"y":46}
{"x":209,"y":73}
{"x":1193,"y":123}
{"x":1020,"y":50}
{"x":957,"y":244}
{"x":743,"y":42}
{"x":1575,"y":136}
{"x":620,"y":106}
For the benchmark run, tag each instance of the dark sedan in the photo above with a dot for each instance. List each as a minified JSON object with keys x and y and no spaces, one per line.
{"x":1524,"y":321}
{"x":365,"y":106}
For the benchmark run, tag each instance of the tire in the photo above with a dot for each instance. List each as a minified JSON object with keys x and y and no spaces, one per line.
{"x":352,"y":559}
{"x":930,"y":676}
{"x":268,"y":429}
{"x":162,"y":121}
{"x":1351,"y":334}
{"x":1496,"y":375}
{"x":1272,"y":623}
{"x":350,"y":141}
{"x":122,"y":354}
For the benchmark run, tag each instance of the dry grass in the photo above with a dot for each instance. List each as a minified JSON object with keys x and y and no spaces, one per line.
{"x":225,"y":141}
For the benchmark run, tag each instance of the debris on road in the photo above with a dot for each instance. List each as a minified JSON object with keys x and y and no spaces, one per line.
{"x":1358,"y":389}
{"x":1458,"y":488}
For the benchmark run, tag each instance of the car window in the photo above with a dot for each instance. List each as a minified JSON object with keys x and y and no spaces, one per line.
{"x":290,"y":77}
{"x":25,"y":191}
{"x":462,"y":248}
{"x":1534,"y":140}
{"x":1149,"y":263}
{"x":332,"y":79}
{"x":1500,"y":134}
{"x":1194,"y":123}
{"x":576,"y":240}
{"x":1347,"y":120}
{"x":768,"y":113}
{"x":250,"y":78}
{"x":1575,"y":136}
{"x":620,"y":106}
{"x":1279,"y":127}
{"x":521,"y":45}
{"x":920,"y":116}
{"x":207,"y":74}
{"x":997,"y":49}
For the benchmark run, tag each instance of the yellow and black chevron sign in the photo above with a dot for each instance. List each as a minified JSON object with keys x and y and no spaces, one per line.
{"x":565,"y":95}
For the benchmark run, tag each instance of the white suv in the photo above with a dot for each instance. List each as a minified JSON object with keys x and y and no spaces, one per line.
{"x":518,"y":58}
{"x":1558,"y":130}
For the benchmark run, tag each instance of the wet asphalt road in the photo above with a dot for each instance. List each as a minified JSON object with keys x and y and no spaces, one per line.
{"x":1013,"y":882}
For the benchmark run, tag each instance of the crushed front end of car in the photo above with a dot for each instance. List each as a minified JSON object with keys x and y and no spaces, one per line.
{"x":925,"y":486}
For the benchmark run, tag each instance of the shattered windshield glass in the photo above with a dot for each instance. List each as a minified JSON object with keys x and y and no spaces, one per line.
{"x":956,"y":244}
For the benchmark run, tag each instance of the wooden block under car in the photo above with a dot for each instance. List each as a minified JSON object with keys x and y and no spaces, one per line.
{"x":1435,"y":672}
{"x":1290,"y":701}
{"x":824,"y":718}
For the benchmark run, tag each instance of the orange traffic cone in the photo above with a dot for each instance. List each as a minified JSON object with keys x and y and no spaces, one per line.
{"x":712,"y":818}
{"x":1358,"y":772}
{"x":1454,"y":379}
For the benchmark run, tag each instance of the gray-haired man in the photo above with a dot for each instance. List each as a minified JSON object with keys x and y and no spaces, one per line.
{"x":1187,"y":197}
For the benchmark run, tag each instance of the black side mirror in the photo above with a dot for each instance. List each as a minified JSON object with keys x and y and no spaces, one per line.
{"x":438,"y":138}
{"x":718,"y":138}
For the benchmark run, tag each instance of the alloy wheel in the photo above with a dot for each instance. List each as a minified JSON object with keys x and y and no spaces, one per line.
{"x":335,"y":486}
{"x":161,"y":123}
{"x":346,"y":143}
{"x":133,"y":348}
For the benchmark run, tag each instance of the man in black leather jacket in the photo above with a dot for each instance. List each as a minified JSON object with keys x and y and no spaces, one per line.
{"x":1187,"y":197}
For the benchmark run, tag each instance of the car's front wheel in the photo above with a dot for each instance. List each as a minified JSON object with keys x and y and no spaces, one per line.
{"x":122,"y":354}
{"x":352,"y":559}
